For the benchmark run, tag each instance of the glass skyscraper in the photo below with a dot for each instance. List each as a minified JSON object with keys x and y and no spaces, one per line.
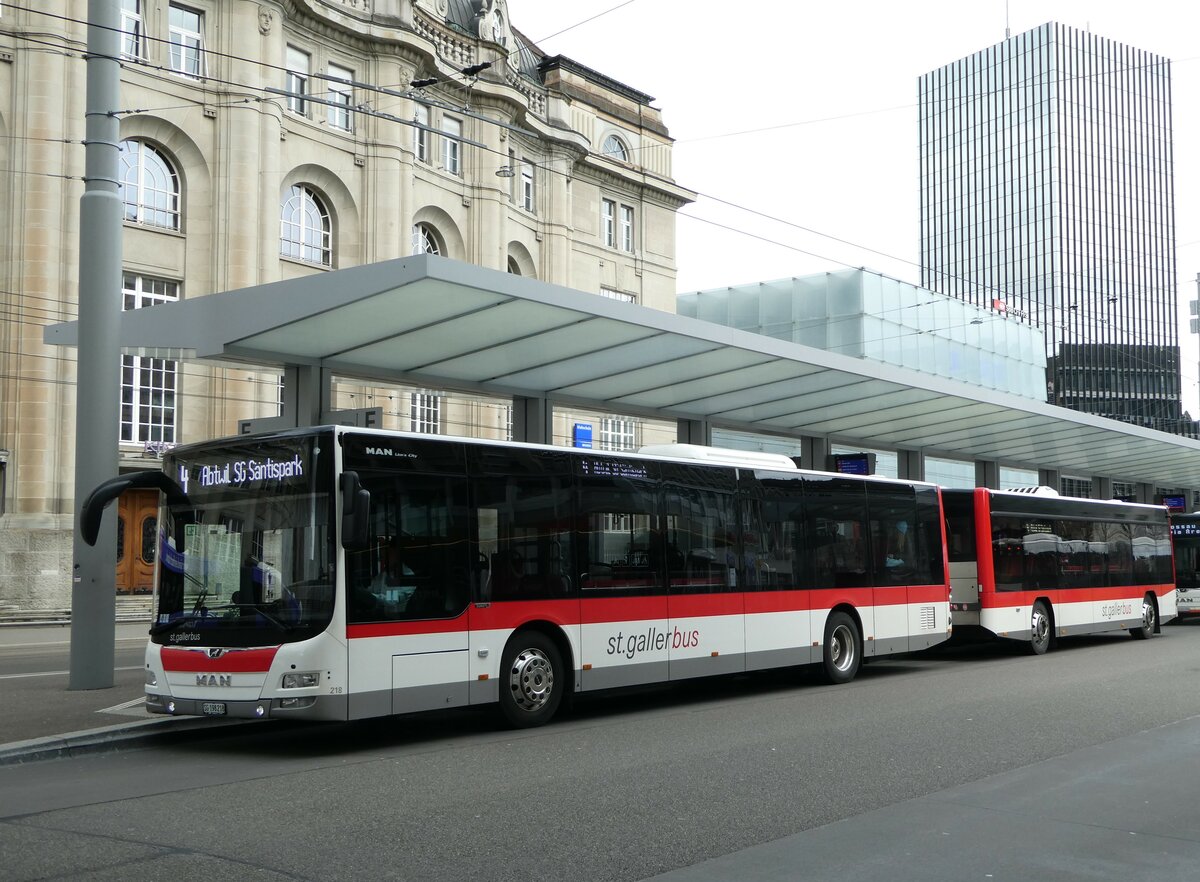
{"x":1047,"y":193}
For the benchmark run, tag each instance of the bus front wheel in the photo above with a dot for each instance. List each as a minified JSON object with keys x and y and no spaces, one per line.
{"x":531,"y":680}
{"x":842,"y":653}
{"x":1039,"y":629}
{"x":1149,"y":620}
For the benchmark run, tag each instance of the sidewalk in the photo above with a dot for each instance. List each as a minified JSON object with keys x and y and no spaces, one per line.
{"x":42,"y":718}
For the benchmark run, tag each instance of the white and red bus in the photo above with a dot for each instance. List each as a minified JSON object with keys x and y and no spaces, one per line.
{"x":334,"y":573}
{"x":1035,"y":566}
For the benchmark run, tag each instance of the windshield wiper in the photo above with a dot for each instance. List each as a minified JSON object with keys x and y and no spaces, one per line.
{"x":203,"y":615}
{"x":174,"y":623}
{"x":281,"y":625}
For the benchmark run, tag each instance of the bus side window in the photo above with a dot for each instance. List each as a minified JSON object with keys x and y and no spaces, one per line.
{"x":702,"y":542}
{"x":521,"y":507}
{"x":619,"y":536}
{"x":837,"y":527}
{"x":416,"y":565}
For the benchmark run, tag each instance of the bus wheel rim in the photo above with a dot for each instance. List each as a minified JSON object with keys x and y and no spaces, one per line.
{"x":1041,"y":625}
{"x":841,"y":648}
{"x":531,"y":679}
{"x":1147,"y":614}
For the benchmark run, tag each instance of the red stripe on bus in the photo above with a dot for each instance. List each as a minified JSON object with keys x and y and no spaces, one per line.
{"x":601,"y":610}
{"x":236,"y":661}
{"x":1001,"y":599}
{"x":778,"y":601}
{"x":591,"y":610}
{"x":928,"y":594}
{"x":699,"y":605}
{"x":398,"y":629}
{"x":513,"y":613}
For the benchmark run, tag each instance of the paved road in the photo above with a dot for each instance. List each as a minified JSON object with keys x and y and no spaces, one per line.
{"x":1028,"y":767}
{"x":34,"y":666}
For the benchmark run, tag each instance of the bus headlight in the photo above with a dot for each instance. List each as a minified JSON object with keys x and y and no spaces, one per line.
{"x":151,"y":678}
{"x":301,"y":679}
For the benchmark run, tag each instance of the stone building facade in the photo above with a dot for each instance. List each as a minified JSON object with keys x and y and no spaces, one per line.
{"x":269,"y":139}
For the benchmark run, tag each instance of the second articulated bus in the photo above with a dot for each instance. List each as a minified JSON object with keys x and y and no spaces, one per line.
{"x":1185,"y":537}
{"x":1035,"y":567}
{"x":331,"y":573}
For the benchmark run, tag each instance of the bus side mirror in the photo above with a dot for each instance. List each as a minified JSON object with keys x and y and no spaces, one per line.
{"x":93,"y":507}
{"x":356,"y":512}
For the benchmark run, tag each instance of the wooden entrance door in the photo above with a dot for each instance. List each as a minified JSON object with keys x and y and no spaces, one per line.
{"x":137,"y":531}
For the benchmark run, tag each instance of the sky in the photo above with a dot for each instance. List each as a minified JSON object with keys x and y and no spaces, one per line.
{"x":797,"y":121}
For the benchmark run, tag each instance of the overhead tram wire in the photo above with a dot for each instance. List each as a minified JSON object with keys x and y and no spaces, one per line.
{"x":279,"y":93}
{"x":411,"y":96}
{"x":272,"y":93}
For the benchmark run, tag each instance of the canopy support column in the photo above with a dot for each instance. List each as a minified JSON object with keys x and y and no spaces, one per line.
{"x":694,"y":432}
{"x":533,"y":420}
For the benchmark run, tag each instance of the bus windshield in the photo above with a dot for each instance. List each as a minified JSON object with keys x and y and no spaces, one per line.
{"x":248,"y":560}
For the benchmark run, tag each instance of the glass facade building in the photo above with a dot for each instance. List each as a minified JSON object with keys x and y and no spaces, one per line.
{"x":1047,"y":192}
{"x":867,"y":315}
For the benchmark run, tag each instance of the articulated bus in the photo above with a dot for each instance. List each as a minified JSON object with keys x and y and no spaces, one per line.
{"x":1036,"y":566}
{"x":1185,"y":537}
{"x":337,"y":574}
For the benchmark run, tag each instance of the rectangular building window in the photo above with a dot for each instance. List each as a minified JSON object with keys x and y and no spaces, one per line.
{"x":341,"y":93}
{"x":421,"y":135}
{"x":527,"y":185}
{"x":425,"y":413}
{"x":617,"y":433}
{"x":608,"y":222}
{"x":147,"y":384}
{"x":613,"y":294}
{"x":451,"y":146}
{"x":1081,"y":487}
{"x":132,"y":45}
{"x":1124,"y":490}
{"x":186,"y":31}
{"x":627,"y":228}
{"x":297,"y":79}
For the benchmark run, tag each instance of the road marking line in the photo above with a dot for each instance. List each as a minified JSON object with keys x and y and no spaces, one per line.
{"x":59,"y":673}
{"x":123,"y":705}
{"x":64,"y":643}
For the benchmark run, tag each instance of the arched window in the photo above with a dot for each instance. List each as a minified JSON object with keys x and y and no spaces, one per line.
{"x":514,"y":267}
{"x":425,"y":240}
{"x":305,"y":232}
{"x":149,"y":186}
{"x":615,"y":147}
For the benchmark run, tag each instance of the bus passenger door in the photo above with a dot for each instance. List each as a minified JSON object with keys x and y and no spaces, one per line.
{"x":623,"y":613}
{"x":408,"y":591}
{"x":703,"y":544}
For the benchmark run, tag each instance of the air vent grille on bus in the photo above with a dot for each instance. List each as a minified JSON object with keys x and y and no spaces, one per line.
{"x":1034,"y":491}
{"x":928,"y":618}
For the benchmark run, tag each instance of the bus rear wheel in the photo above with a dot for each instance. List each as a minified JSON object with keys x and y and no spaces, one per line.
{"x":1149,"y":620}
{"x":1039,"y":629}
{"x":531,"y":680}
{"x":842,"y":653}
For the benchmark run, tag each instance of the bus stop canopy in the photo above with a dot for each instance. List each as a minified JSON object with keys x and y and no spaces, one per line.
{"x":431,"y":321}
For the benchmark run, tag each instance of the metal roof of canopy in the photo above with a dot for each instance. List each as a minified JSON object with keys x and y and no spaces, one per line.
{"x":430,"y":321}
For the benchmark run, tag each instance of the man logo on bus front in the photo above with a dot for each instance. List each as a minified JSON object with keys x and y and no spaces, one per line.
{"x":215,"y":652}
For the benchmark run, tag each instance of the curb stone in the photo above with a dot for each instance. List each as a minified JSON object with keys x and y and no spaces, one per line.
{"x":123,"y":735}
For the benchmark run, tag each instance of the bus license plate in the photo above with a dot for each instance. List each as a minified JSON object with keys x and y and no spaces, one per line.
{"x":213,"y":708}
